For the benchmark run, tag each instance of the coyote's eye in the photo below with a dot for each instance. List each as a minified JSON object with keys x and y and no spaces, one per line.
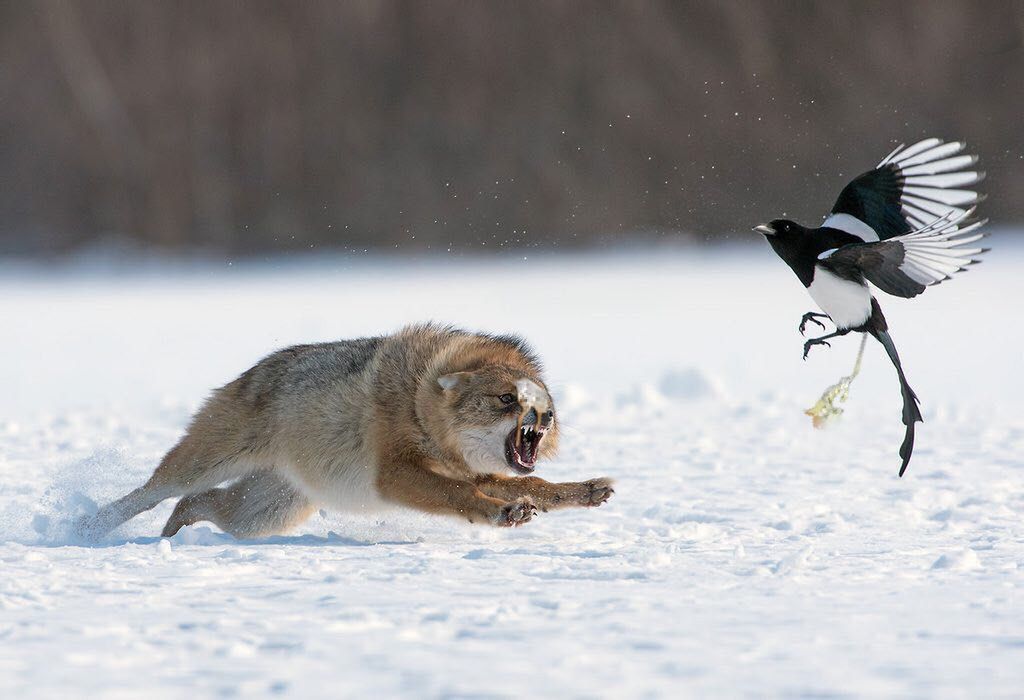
{"x":507,"y":399}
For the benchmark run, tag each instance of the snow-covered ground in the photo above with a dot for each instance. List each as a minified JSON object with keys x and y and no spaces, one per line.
{"x":744,"y":553}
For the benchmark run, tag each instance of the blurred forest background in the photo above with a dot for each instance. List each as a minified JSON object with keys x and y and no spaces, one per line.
{"x":247,"y":127}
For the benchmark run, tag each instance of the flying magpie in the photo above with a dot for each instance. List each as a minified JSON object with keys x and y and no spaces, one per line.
{"x":903,"y":226}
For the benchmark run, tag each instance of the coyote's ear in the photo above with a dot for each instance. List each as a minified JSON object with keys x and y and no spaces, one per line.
{"x":450,"y":381}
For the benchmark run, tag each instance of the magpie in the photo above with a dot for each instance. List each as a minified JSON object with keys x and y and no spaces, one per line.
{"x":905,"y":225}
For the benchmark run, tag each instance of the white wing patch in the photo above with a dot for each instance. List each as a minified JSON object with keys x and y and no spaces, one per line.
{"x":851,"y":224}
{"x":934,"y":252}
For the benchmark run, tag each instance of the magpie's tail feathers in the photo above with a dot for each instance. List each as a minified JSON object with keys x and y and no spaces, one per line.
{"x":911,"y":410}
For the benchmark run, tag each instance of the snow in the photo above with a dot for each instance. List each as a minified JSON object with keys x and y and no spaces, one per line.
{"x":744,"y":553}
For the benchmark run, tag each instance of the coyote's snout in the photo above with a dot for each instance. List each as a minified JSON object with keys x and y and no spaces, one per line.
{"x":430,"y":418}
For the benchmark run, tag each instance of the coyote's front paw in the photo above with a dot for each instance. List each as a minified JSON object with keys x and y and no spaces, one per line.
{"x":517,"y":512}
{"x":596,"y":491}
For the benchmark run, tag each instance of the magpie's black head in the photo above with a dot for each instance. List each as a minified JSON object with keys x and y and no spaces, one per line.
{"x":781,"y":230}
{"x":791,"y":242}
{"x":786,"y":237}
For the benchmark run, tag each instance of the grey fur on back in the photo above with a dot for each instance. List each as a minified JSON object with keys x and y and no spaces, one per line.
{"x":305,"y":367}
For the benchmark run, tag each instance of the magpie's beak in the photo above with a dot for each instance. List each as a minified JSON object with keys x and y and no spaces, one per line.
{"x":764,"y":229}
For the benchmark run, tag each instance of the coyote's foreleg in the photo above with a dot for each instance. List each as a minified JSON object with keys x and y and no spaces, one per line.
{"x":416,"y":485}
{"x":547,"y":495}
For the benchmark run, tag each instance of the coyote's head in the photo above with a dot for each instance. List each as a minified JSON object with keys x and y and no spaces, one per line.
{"x":497,"y":418}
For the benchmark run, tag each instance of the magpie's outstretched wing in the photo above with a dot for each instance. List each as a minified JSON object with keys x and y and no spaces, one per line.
{"x":904,"y":265}
{"x":910,"y":188}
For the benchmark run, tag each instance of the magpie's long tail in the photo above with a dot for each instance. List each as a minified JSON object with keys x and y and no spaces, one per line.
{"x":911,"y":412}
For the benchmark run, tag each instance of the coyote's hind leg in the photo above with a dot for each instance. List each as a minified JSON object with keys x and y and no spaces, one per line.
{"x":192,"y":465}
{"x":257,"y":505}
{"x":123,"y":509}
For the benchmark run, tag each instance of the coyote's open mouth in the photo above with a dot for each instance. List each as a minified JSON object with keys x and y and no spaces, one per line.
{"x":523,"y":444}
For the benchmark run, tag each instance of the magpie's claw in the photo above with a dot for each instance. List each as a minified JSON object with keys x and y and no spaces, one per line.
{"x":812,"y":342}
{"x":810,"y":317}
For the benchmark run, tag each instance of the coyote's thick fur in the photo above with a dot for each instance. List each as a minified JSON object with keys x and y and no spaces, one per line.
{"x":428,"y":418}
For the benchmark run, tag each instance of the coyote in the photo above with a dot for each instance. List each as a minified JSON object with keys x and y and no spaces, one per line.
{"x":430,"y":418}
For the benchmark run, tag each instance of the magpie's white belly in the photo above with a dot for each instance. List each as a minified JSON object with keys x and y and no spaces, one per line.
{"x":847,"y":303}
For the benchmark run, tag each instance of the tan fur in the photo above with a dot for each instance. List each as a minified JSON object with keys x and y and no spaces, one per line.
{"x":357,"y":425}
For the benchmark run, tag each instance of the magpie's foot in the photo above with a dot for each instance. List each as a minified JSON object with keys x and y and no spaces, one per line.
{"x":811,"y":317}
{"x":812,"y":342}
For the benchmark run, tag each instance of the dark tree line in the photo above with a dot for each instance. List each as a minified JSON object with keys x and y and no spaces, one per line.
{"x":252,"y":126}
